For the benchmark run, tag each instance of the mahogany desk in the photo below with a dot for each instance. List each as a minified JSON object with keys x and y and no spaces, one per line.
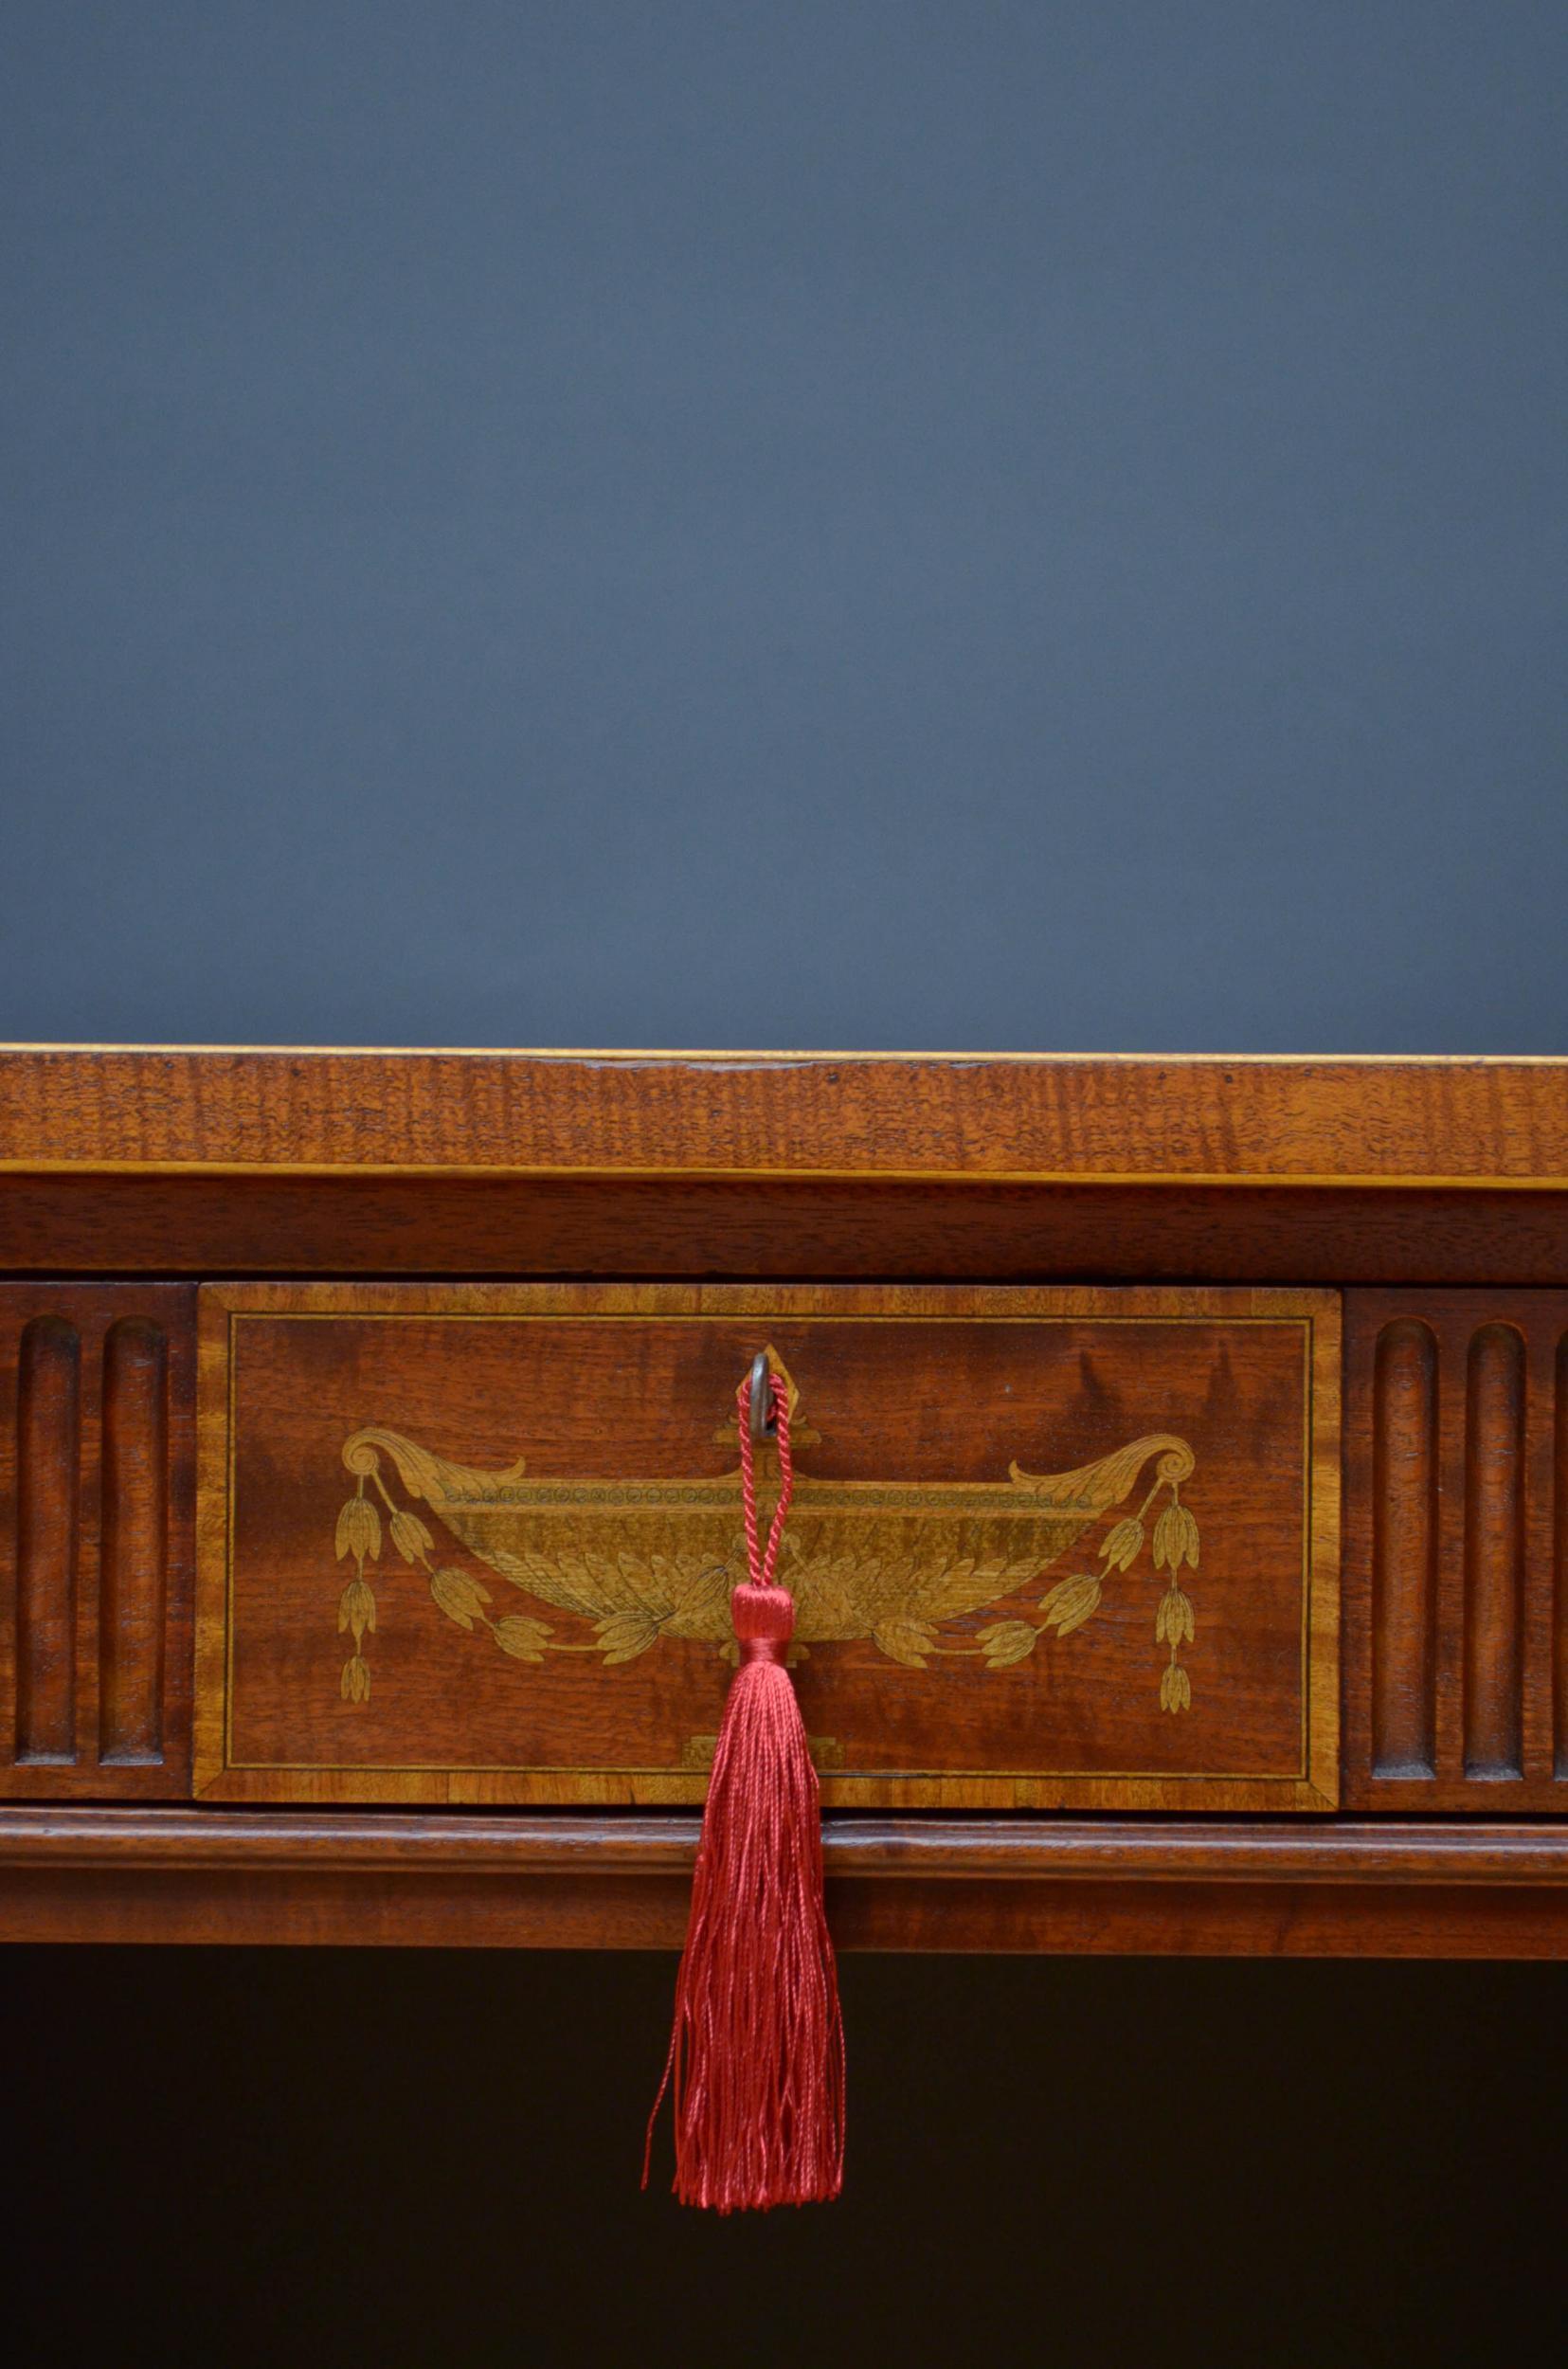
{"x":1180,"y":1547}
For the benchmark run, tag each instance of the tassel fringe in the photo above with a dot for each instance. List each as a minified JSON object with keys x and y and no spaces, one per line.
{"x":756,"y":2062}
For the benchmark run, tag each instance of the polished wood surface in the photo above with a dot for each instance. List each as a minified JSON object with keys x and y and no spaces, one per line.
{"x":1069,"y":1119}
{"x":799,"y":1230}
{"x":96,"y":1471}
{"x":1249,"y":1888}
{"x":974,"y":1633}
{"x":1432,"y":1195}
{"x":390,"y":1842}
{"x":1456,"y":1551}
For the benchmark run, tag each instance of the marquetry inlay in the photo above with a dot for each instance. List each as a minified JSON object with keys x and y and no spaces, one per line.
{"x":1046,"y":1546}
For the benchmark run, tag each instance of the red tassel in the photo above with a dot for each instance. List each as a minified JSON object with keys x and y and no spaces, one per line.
{"x":756,"y":2062}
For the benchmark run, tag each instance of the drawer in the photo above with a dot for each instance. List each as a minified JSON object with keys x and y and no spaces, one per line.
{"x":1065,"y":1547}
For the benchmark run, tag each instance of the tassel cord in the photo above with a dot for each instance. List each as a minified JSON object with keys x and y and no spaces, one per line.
{"x":755,"y":2066}
{"x":762,"y":1562}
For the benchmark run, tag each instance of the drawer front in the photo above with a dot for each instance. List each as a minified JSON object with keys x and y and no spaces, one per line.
{"x":1049,"y":1548}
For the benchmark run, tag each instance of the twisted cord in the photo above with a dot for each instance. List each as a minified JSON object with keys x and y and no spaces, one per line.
{"x":761,"y":1565}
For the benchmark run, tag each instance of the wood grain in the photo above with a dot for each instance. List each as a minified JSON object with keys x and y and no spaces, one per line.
{"x":1404,"y":1549}
{"x":134,"y":1551}
{"x":1560,"y":1566}
{"x":817,"y":1229}
{"x":1453,"y":1596}
{"x":1074,"y":1119}
{"x":1494,"y":1552}
{"x":49,"y":1471}
{"x":1436,"y":1192}
{"x":1483,"y":1888}
{"x":1233,"y":1849}
{"x":97,"y":1532}
{"x":609,"y":1391}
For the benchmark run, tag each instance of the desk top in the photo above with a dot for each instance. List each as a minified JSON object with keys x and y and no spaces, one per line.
{"x":1088,"y":1119}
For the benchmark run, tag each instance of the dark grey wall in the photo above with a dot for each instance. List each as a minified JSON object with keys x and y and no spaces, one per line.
{"x":1047,"y":519}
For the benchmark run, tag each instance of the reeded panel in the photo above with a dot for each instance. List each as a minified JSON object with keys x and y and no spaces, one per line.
{"x":134,"y":1545}
{"x":1457,"y":1550}
{"x":96,"y":1532}
{"x":1405,"y":1518}
{"x":48,"y":1535}
{"x":477,"y":1542}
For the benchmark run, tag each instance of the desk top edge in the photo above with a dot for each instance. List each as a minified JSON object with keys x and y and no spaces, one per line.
{"x":997,"y":1118}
